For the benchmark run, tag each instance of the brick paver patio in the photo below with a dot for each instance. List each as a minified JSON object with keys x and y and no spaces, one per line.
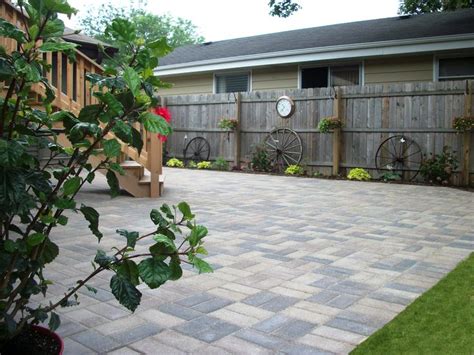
{"x":301,"y":265}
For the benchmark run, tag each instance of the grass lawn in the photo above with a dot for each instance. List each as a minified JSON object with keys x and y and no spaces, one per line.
{"x":441,"y":321}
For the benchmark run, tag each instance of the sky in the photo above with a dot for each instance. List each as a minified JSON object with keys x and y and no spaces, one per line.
{"x":224,"y":19}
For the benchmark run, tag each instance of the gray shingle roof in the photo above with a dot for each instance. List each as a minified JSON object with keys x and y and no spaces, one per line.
{"x":386,"y":29}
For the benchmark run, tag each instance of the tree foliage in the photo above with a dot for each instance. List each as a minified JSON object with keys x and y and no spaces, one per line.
{"x":283,"y":8}
{"x":177,"y":31}
{"x":414,"y":7}
{"x":34,"y":196}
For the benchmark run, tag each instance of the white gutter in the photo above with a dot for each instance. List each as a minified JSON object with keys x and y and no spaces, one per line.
{"x":406,"y":46}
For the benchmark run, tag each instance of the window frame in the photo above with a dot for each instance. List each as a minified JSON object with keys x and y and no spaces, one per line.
{"x":436,"y":76}
{"x":224,"y":73}
{"x":328,"y":65}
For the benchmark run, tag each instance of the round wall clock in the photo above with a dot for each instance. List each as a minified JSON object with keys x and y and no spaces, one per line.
{"x":285,"y":107}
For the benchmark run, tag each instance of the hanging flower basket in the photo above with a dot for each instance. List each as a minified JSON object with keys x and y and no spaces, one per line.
{"x":327,"y":124}
{"x":229,"y":124}
{"x":464,"y":124}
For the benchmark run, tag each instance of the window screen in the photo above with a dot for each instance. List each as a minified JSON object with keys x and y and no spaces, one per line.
{"x":54,"y":70}
{"x":64,"y":74}
{"x":456,"y":68}
{"x":232,"y":83}
{"x":345,"y":76}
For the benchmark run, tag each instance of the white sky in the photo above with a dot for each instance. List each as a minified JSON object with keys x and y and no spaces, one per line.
{"x":224,"y":19}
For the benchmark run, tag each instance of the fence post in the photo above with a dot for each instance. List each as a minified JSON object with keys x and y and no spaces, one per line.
{"x":337,"y":136}
{"x":237,"y":142}
{"x":467,"y":135}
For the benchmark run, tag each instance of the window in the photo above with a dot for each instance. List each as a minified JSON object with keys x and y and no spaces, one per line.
{"x":330,"y":76}
{"x":64,"y":74}
{"x":456,"y":68}
{"x":236,"y":82}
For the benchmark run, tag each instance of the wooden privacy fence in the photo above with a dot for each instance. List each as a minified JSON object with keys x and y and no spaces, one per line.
{"x":423,"y":112}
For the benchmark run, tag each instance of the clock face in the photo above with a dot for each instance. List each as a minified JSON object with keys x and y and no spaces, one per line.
{"x":285,"y":106}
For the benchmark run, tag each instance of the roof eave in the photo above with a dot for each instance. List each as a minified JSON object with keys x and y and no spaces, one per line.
{"x":394,"y":47}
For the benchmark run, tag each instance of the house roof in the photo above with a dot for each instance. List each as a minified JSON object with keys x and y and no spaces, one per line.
{"x":71,"y":36}
{"x":348,"y":35}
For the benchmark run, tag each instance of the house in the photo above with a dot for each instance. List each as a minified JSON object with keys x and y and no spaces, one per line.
{"x":430,"y":47}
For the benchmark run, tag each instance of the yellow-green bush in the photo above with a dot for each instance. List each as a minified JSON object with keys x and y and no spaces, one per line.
{"x":204,"y":165}
{"x":175,"y":163}
{"x":294,"y":170}
{"x":359,"y":174}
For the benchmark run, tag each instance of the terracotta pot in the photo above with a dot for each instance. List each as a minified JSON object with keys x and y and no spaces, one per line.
{"x":46,"y":332}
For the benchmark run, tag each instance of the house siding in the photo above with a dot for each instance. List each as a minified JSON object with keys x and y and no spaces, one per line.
{"x":189,"y":84}
{"x":400,"y":69}
{"x":275,"y":78}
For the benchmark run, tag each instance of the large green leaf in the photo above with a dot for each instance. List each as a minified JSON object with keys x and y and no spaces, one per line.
{"x":123,"y":131}
{"x":71,"y":186}
{"x":197,"y":233}
{"x":154,"y":272}
{"x":129,"y":270}
{"x":121,"y":30}
{"x":10,"y":153}
{"x":133,"y":80}
{"x":49,"y":253}
{"x":113,"y":183}
{"x":60,"y":7}
{"x":131,"y":237}
{"x":10,"y":31}
{"x":54,"y":322}
{"x":164,"y":245}
{"x":103,"y":259}
{"x":136,"y":141}
{"x":115,"y":106}
{"x":160,"y":47}
{"x":201,"y":265}
{"x":125,"y":292}
{"x":6,"y":70}
{"x":35,"y":239}
{"x":90,"y":113}
{"x":92,"y":216}
{"x":57,"y":46}
{"x":157,"y":218}
{"x":53,"y":28}
{"x":112,"y":148}
{"x":175,"y":269}
{"x":185,"y":210}
{"x":155,"y":124}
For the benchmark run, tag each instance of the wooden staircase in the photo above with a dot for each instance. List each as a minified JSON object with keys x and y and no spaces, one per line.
{"x":143,"y":172}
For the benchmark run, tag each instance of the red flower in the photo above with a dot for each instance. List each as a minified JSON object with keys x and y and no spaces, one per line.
{"x":163,"y":112}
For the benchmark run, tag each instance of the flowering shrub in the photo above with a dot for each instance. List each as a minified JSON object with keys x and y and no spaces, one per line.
{"x":439,"y":168}
{"x":329,"y":123}
{"x":464,"y":124}
{"x":359,"y":174}
{"x":175,"y":163}
{"x":228,"y":124}
{"x":294,"y":170}
{"x":260,"y":159}
{"x":204,"y":165}
{"x":163,"y":112}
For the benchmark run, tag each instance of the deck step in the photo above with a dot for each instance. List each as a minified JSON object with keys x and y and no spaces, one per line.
{"x":135,"y":168}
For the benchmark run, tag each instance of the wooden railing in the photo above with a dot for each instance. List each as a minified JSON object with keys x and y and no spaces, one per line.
{"x":73,"y":92}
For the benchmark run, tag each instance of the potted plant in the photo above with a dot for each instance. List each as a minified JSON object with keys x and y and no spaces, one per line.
{"x":34,"y":198}
{"x":463,"y":124}
{"x":228,"y":124}
{"x":328,"y":124}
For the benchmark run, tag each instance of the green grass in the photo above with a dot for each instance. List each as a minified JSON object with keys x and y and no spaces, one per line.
{"x":441,"y":321}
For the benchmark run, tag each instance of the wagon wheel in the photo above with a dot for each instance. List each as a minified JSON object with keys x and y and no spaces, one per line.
{"x":399,"y":155}
{"x":198,"y":149}
{"x":284,"y":148}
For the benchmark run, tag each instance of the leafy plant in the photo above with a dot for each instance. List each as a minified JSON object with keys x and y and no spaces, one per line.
{"x":175,"y":163}
{"x":464,"y":123}
{"x":390,"y":176}
{"x":260,"y":160}
{"x":329,"y":123}
{"x":294,"y":170}
{"x":359,"y":174}
{"x":192,"y":164}
{"x":228,"y":124}
{"x":34,"y":197}
{"x":221,"y":164}
{"x":204,"y":165}
{"x":439,"y":168}
{"x":317,"y":174}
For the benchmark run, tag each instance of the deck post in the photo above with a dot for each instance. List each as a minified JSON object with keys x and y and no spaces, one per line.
{"x":337,"y":135}
{"x":237,"y":138}
{"x":467,"y":135}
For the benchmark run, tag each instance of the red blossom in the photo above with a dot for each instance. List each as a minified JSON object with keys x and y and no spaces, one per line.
{"x":163,"y":112}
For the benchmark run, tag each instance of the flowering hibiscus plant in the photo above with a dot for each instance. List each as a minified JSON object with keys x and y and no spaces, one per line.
{"x":163,"y":112}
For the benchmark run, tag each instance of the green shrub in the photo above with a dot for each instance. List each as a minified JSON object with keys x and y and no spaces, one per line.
{"x":439,"y":168}
{"x":175,"y":163}
{"x":192,"y":164}
{"x":204,"y":165}
{"x":294,"y":170}
{"x":329,"y":123}
{"x":359,"y":174}
{"x":260,"y":160}
{"x":390,"y":176}
{"x":221,"y":164}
